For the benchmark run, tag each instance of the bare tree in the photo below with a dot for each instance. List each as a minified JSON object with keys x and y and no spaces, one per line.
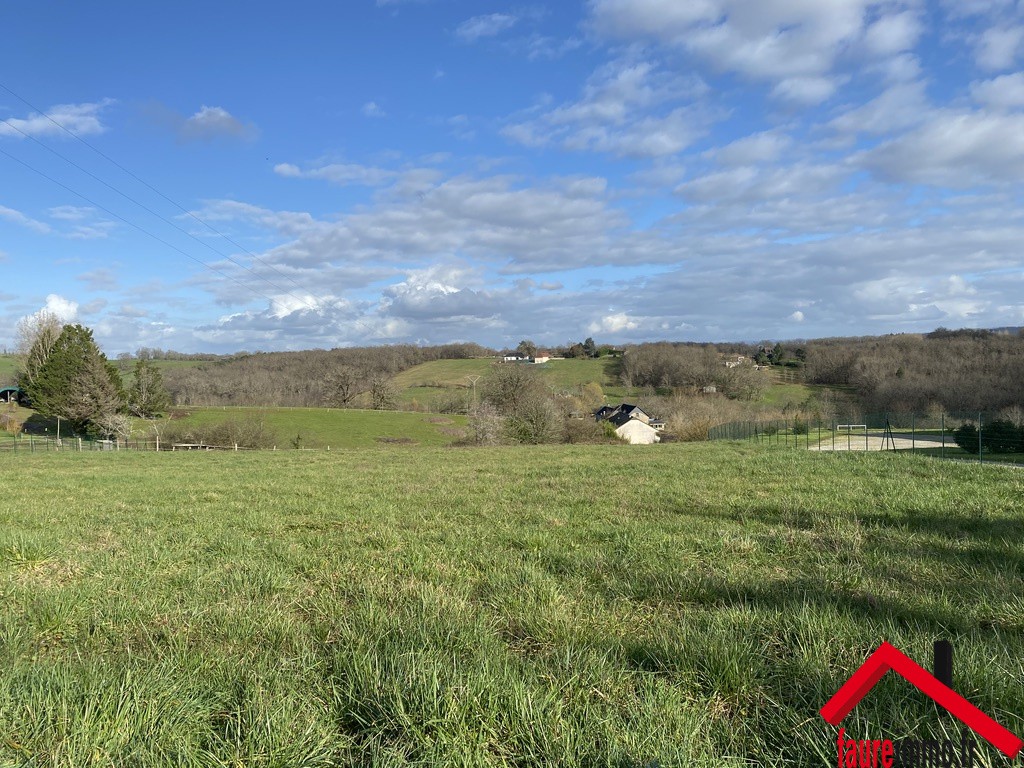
{"x":343,"y":386}
{"x":36,"y":336}
{"x":382,"y":392}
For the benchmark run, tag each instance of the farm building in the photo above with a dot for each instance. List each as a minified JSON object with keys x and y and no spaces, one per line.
{"x":631,"y":422}
{"x":12,"y":395}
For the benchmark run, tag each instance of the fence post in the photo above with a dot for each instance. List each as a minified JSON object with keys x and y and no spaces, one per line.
{"x":981,"y":447}
{"x":913,"y":433}
{"x":79,"y":445}
{"x":942,"y":422}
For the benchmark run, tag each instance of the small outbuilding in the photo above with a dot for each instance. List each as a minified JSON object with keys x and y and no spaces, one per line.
{"x":13,"y":395}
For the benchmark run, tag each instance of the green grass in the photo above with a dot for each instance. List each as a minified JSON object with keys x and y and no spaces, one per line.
{"x":951,"y":451}
{"x":337,"y":428}
{"x":8,"y":370}
{"x":595,"y":606}
{"x":430,"y":382}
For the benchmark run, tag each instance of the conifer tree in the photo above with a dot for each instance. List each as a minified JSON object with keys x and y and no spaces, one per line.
{"x":77,"y":383}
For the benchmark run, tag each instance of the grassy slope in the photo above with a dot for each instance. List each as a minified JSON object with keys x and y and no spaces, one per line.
{"x":690,"y":605}
{"x":321,"y":427}
{"x":8,"y":370}
{"x":428,"y":381}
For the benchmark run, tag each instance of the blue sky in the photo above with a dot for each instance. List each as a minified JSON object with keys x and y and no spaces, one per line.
{"x":380,"y":171}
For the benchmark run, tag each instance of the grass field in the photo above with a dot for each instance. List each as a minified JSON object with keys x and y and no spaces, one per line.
{"x":432,"y":381}
{"x":597,"y":606}
{"x":337,"y":428}
{"x":8,"y":370}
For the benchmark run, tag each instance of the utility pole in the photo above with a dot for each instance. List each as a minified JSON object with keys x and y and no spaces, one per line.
{"x":473,"y":379}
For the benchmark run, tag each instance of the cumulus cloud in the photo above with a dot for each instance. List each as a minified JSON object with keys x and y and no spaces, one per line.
{"x":212,"y":123}
{"x":627,"y":108}
{"x":487,"y":25}
{"x":615,"y":323}
{"x":795,"y":44}
{"x":372,"y":109}
{"x":65,"y":309}
{"x":79,"y":119}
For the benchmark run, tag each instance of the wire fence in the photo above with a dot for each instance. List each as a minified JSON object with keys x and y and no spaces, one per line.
{"x":978,"y":436}
{"x":24,"y":443}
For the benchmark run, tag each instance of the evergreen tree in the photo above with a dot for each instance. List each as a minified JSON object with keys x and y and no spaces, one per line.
{"x":76,"y":382}
{"x":147,"y":397}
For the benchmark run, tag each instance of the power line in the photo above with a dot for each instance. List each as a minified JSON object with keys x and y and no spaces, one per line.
{"x":146,"y":184}
{"x":177,"y":205}
{"x":134,"y":225}
{"x":165,"y":220}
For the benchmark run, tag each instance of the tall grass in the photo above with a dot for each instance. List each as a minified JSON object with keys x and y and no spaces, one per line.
{"x":598,"y":605}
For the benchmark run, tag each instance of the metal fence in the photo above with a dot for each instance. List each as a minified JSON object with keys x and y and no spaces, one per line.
{"x":977,"y":436}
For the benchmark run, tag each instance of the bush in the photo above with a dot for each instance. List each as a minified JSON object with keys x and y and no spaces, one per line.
{"x":999,"y":436}
{"x":244,"y":432}
{"x":588,"y":431}
{"x":966,"y":437}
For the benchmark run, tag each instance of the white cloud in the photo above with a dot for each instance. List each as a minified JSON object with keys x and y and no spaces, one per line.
{"x":339,"y":173}
{"x":17,"y":217}
{"x":79,"y":119}
{"x":626,"y":109}
{"x":372,"y":109}
{"x":954,"y":148}
{"x":794,"y":43}
{"x":1005,"y":92}
{"x":211,"y":123}
{"x":615,"y":323}
{"x":797,"y":317}
{"x":998,"y":48}
{"x":487,"y":25}
{"x":65,"y":309}
{"x":900,"y":106}
{"x":893,"y":33}
{"x":71,"y":212}
{"x":765,"y":147}
{"x":806,"y":90}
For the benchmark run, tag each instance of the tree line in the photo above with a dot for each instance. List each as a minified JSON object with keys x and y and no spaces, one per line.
{"x":958,"y":372}
{"x":340,"y":378}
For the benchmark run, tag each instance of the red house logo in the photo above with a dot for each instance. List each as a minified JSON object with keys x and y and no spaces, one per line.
{"x":888,"y":657}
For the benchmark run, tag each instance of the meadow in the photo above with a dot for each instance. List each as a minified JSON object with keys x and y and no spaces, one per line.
{"x":331,"y":427}
{"x":555,"y":605}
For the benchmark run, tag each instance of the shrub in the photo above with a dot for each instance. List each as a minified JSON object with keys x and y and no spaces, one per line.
{"x":966,"y":437}
{"x":1001,"y":436}
{"x":244,"y":432}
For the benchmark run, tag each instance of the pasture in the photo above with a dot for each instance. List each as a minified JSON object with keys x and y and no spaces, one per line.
{"x":601,"y":606}
{"x":331,"y":427}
